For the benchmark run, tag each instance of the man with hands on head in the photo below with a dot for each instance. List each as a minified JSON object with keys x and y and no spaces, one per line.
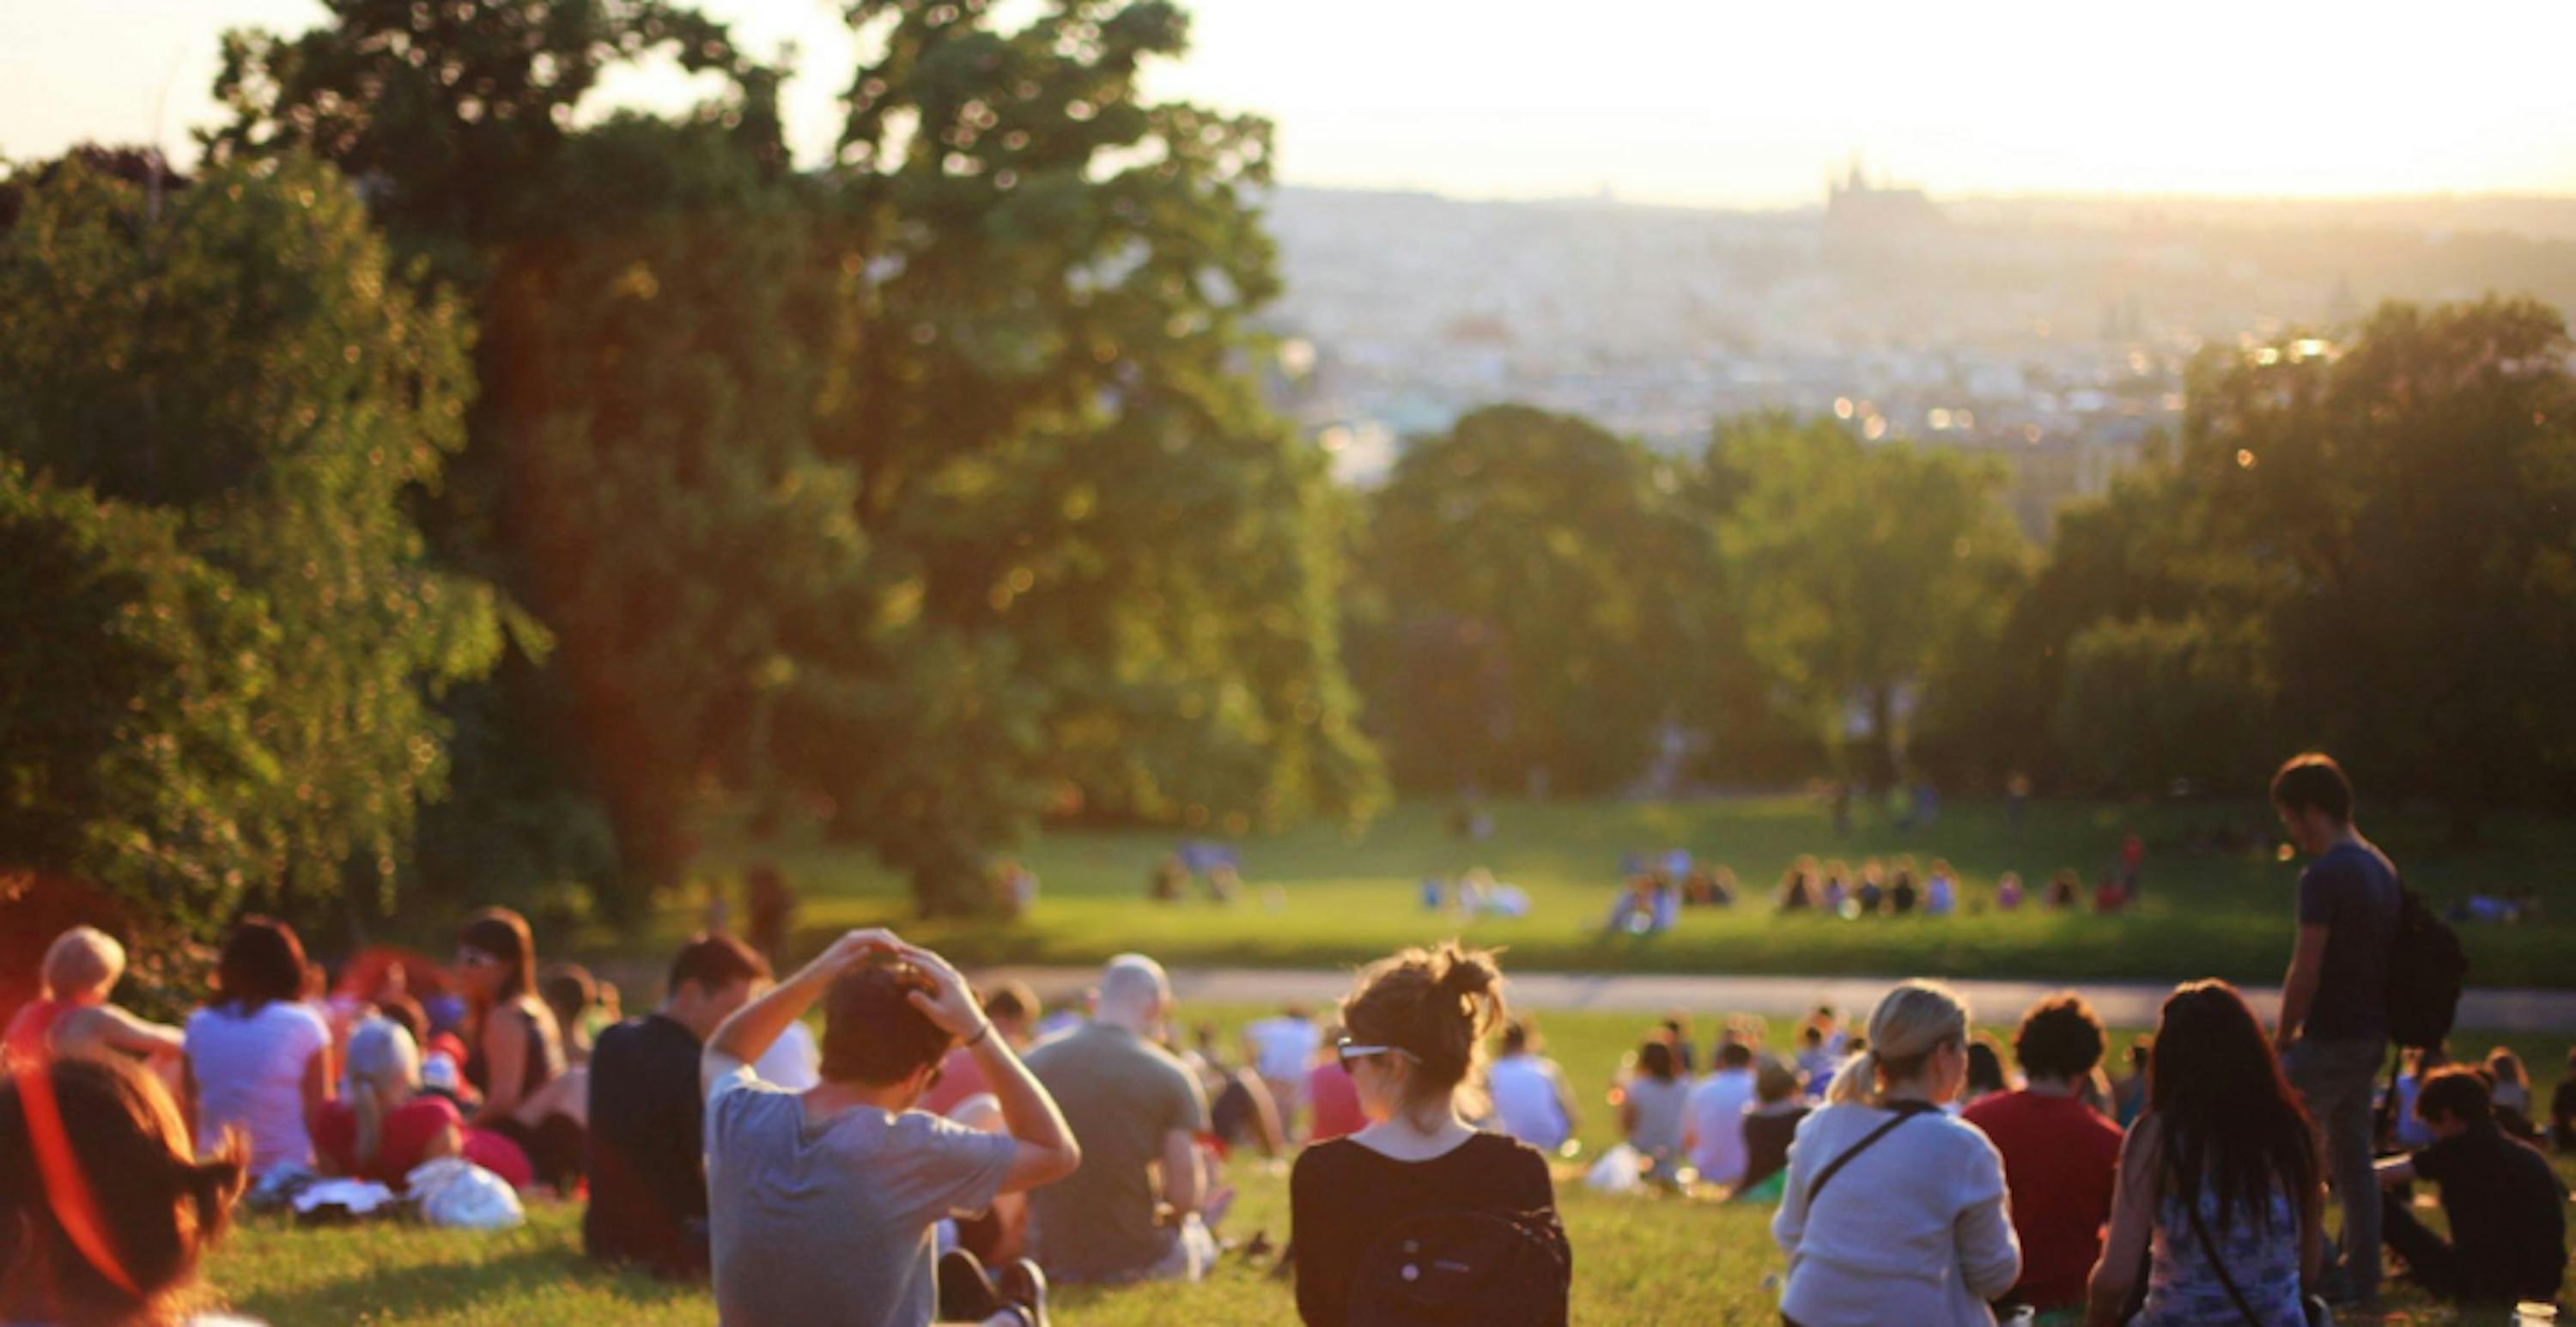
{"x":821,"y":1202}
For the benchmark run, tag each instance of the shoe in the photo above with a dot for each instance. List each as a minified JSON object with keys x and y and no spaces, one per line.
{"x":1024,"y":1285}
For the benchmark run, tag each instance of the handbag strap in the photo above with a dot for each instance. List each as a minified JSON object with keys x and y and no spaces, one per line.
{"x":2217,"y":1264}
{"x":1905,"y":1110}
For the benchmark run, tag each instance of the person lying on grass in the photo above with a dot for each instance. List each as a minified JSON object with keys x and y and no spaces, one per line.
{"x":821,"y":1202}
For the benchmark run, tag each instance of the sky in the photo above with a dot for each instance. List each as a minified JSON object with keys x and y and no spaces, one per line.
{"x":1687,"y":102}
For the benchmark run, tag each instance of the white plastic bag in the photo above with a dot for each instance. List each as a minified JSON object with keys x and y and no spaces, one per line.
{"x":460,"y":1195}
{"x":1618,"y":1171}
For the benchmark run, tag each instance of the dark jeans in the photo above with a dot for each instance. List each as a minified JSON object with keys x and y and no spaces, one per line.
{"x":966,"y":1294}
{"x":2436,"y":1263}
{"x":2335,"y":1079}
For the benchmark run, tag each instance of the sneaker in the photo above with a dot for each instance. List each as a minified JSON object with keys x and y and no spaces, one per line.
{"x":1026,"y":1288}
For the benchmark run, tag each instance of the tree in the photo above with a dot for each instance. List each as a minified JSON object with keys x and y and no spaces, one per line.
{"x":2153,"y":704}
{"x":1535,"y":560}
{"x":234,"y":381}
{"x":1863,"y":571}
{"x":2405,"y":505}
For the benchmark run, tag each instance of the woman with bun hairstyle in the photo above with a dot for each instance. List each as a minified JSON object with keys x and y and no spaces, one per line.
{"x":1894,"y":1211}
{"x":1413,"y":1040}
{"x":106,"y":1211}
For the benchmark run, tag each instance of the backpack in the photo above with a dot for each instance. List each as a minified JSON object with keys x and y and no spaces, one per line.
{"x":2426,"y":969}
{"x":1491,"y":1269}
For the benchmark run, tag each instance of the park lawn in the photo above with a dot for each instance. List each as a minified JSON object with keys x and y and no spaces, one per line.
{"x":1645,"y":1259}
{"x":1320,"y":896}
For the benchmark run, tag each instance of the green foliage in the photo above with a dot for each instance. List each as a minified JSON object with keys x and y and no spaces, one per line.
{"x":1862,"y":570}
{"x":1530,"y":576}
{"x":234,"y":398}
{"x":2155,"y":704}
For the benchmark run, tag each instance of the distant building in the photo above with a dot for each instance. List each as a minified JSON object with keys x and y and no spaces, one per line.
{"x":1862,"y":217}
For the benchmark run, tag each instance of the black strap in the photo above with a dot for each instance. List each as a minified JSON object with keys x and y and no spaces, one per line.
{"x":2217,"y":1264}
{"x":1905,"y":1110}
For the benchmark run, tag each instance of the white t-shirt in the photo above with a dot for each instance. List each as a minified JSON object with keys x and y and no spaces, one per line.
{"x":1282,"y":1046}
{"x":1913,"y":1233}
{"x":1526,"y":1101}
{"x":791,"y":1062}
{"x":1717,"y":1124}
{"x":249,"y":1071}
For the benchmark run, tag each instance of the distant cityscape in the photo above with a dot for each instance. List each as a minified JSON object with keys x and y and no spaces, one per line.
{"x":2053,"y":333}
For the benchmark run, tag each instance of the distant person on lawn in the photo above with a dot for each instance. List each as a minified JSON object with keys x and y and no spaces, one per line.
{"x":1415,"y":1031}
{"x":1770,"y":1126}
{"x":386,"y":1125}
{"x":822,"y":1202}
{"x":2218,"y":1190}
{"x":1531,"y":1102}
{"x":2061,"y":1158}
{"x":515,"y":1057}
{"x":1132,"y":1214}
{"x":1280,"y":1048}
{"x":2333,"y":1035}
{"x":1894,"y":1212}
{"x":2506,"y":1209}
{"x":71,"y":1014}
{"x":1716,"y":1111}
{"x":2562,"y":1108}
{"x":258,"y":1057}
{"x":648,"y":1183}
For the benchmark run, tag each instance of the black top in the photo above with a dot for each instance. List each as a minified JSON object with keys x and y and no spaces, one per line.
{"x":2507,"y":1211}
{"x":648,"y":1190}
{"x":2352,"y":892}
{"x":1766,"y":1144}
{"x":543,"y":1060}
{"x":1342,"y":1198}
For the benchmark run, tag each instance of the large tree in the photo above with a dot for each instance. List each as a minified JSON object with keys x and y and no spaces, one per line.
{"x":219,"y":403}
{"x":1864,"y":571}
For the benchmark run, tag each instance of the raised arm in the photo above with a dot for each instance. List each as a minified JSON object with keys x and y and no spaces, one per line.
{"x":1047,"y":1152}
{"x":746,"y":1035}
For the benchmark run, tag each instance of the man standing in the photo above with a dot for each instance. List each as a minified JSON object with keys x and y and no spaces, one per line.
{"x":823,"y":1200}
{"x":2334,"y":1016}
{"x":1137,"y":1112}
{"x":648,"y":1186}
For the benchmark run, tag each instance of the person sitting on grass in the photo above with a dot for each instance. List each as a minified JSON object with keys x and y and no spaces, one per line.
{"x":2506,"y":1208}
{"x":2512,"y":1093}
{"x":648,"y":1183}
{"x":2220,"y":1194}
{"x":1985,"y":1073}
{"x":2562,"y":1108}
{"x":1132,"y":1214}
{"x":1332,"y":1099}
{"x":1894,"y":1211}
{"x":1416,"y":1029}
{"x":1654,"y":1111}
{"x":2008,"y":892}
{"x":1716,"y":1116}
{"x":571,"y":993}
{"x":106,"y":1211}
{"x":1770,"y":1126}
{"x":515,"y":1057}
{"x":2061,"y":1158}
{"x":258,"y":1057}
{"x":71,"y":1015}
{"x":1531,"y":1102}
{"x":386,"y":1125}
{"x":821,"y":1202}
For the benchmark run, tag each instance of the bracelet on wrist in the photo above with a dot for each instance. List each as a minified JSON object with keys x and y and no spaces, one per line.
{"x":980,"y":1034}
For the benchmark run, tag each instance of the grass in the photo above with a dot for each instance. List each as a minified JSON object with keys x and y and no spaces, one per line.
{"x":1644,"y":1259}
{"x":1317,"y":896}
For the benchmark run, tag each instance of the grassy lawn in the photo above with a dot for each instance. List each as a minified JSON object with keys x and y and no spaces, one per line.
{"x":1318,"y":897}
{"x":1638,"y":1260}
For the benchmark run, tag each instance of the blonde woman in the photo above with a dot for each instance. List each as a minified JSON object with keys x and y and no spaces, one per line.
{"x":1894,"y":1211}
{"x":386,"y":1125}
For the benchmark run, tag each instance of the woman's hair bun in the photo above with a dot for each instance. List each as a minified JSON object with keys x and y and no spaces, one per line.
{"x":1466,"y":972}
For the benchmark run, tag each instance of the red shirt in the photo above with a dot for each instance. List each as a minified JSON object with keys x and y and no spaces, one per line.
{"x":1335,"y":1100}
{"x":2060,"y":1161}
{"x":408,"y":1132}
{"x":29,"y":1027}
{"x":959,"y":1078}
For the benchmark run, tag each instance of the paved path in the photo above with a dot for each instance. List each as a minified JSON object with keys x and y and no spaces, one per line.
{"x":2121,"y":1004}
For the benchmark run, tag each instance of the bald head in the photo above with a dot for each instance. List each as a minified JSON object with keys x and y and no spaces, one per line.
{"x":1134,"y":992}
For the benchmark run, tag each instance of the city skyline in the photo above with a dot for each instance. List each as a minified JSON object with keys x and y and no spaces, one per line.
{"x":1677,"y":103}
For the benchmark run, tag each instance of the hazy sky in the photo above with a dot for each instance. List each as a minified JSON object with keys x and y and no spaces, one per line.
{"x":1683,"y":101}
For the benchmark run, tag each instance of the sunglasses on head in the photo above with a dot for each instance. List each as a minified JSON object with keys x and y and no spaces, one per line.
{"x":471,"y":957}
{"x":1352,"y":1052}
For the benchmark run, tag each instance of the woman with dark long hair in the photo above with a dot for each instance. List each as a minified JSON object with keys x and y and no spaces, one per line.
{"x":2219,"y":1192}
{"x":258,"y":1059}
{"x":514,"y":1051}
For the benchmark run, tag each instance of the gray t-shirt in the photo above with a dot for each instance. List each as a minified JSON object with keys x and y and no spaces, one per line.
{"x":1122,"y":1096}
{"x":832,"y":1225}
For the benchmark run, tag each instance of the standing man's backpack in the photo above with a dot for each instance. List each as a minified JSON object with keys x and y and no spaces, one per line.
{"x":1489,"y":1269}
{"x":2426,"y":970}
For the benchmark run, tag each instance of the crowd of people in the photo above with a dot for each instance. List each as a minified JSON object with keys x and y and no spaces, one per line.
{"x":1654,"y":892}
{"x":944,"y":1154}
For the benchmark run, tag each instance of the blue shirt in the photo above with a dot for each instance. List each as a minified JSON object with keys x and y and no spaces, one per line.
{"x":2352,"y":892}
